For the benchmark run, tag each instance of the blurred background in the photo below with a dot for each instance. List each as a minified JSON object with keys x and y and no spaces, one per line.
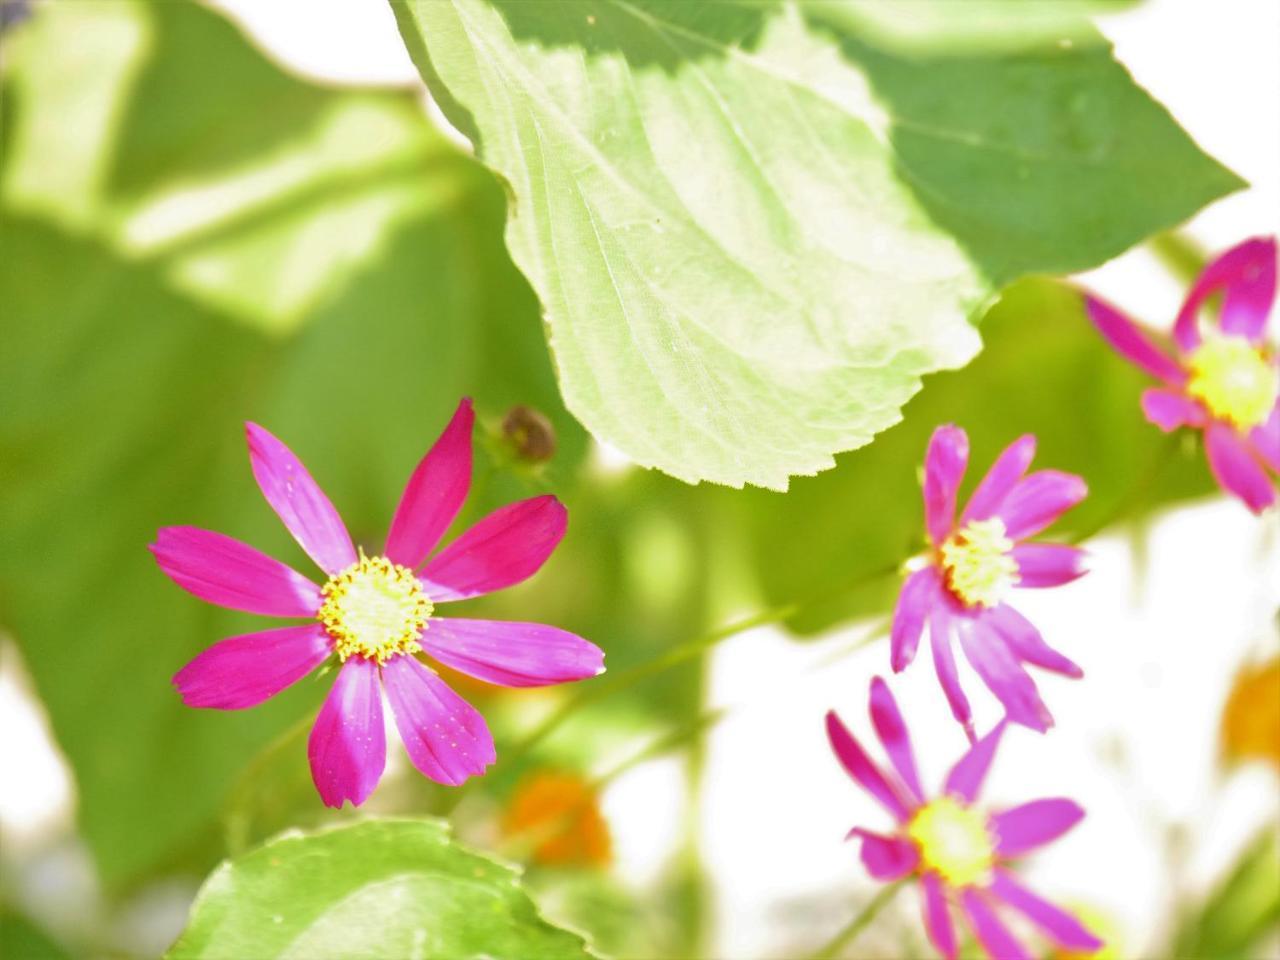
{"x":306,"y":243}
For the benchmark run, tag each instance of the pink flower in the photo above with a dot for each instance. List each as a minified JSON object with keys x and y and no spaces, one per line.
{"x":958,"y":587}
{"x":1225,"y":381}
{"x":959,"y":853}
{"x":375,"y":613}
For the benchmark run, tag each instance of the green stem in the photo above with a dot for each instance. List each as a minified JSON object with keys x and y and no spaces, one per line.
{"x":1183,"y":257}
{"x":859,"y":923}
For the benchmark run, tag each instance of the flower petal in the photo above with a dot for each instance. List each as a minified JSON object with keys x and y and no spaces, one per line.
{"x":965,"y":779}
{"x":937,"y":918}
{"x":232,"y":574}
{"x":1004,"y":473}
{"x":1048,"y":564}
{"x":1026,"y":643}
{"x":507,"y":546}
{"x":1132,"y":343}
{"x":348,"y":744}
{"x":1032,"y":825}
{"x":243,"y":671}
{"x":1038,"y":500}
{"x":435,"y":492}
{"x":887,"y":720}
{"x":1266,"y":439}
{"x":995,"y":938}
{"x":944,"y":664}
{"x":1065,"y":929}
{"x":299,"y":502}
{"x":1171,"y":409}
{"x":886,"y":858}
{"x":944,"y":466}
{"x":1247,"y":275}
{"x":919,"y":592}
{"x":1233,"y":465}
{"x":1004,"y":676}
{"x":447,"y":739}
{"x":859,"y":766}
{"x":512,"y":654}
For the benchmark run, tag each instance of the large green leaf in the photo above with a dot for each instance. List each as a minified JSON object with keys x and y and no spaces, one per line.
{"x":1240,"y":916}
{"x":753,"y":230}
{"x":393,"y":889}
{"x":125,"y":377}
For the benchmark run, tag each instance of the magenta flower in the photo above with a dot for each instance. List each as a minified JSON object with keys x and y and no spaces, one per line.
{"x":375,"y":614}
{"x":1225,"y":380}
{"x":957,"y":588}
{"x":959,"y":853}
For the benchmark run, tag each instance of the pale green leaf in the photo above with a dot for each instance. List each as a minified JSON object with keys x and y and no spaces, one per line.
{"x":393,"y":889}
{"x":752,"y":231}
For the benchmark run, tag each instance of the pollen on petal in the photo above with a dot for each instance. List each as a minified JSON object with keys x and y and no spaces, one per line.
{"x":977,"y":562}
{"x":1235,"y":380}
{"x":375,"y":609}
{"x":954,"y":841}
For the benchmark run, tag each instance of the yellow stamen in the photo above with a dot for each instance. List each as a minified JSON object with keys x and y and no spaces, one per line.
{"x":977,"y":564}
{"x":1235,"y":380}
{"x":953,"y":841}
{"x":374,"y":609}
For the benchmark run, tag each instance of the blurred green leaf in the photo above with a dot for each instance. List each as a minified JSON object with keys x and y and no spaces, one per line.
{"x":1244,"y":910}
{"x":20,"y":939}
{"x":124,"y":385}
{"x":753,"y":231}
{"x":377,"y":889}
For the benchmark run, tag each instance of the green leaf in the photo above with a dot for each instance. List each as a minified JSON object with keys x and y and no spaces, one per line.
{"x":753,"y":231}
{"x":127,"y":373}
{"x":1245,"y":909}
{"x":21,"y":939}
{"x":390,"y":889}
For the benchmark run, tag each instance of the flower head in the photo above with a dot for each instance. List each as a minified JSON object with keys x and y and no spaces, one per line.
{"x":375,"y":614}
{"x":959,"y":587}
{"x":1223,"y":380}
{"x":959,"y":853}
{"x":558,"y":816}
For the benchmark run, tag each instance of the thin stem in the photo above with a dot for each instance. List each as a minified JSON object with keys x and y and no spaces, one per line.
{"x":1155,"y":465}
{"x":1183,"y":257}
{"x":859,"y":923}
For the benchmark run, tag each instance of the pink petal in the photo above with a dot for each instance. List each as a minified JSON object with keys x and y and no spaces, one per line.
{"x":1233,"y":465}
{"x":1005,"y":472}
{"x":1171,"y":409}
{"x":1004,"y":676}
{"x":232,"y":574}
{"x":887,"y":858}
{"x":299,"y":502}
{"x":937,"y":918}
{"x":435,"y":492}
{"x":944,"y":465}
{"x":1034,"y":824}
{"x":1247,"y":275}
{"x":348,"y":745}
{"x":944,"y":664}
{"x":1038,"y":500}
{"x":1065,"y":929}
{"x":918,"y":594}
{"x":995,"y":938}
{"x":859,"y":766}
{"x":965,"y":779}
{"x":512,"y":654}
{"x":1266,"y":439}
{"x":243,"y":671}
{"x":1048,"y":564}
{"x":1025,"y":642}
{"x":447,"y":739}
{"x":504,"y":548}
{"x":1132,"y":343}
{"x":887,"y":720}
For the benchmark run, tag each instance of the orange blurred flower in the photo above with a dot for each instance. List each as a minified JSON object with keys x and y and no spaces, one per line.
{"x":558,"y":816}
{"x":1251,"y":718}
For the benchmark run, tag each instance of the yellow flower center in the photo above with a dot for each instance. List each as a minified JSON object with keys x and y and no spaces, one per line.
{"x":953,"y":841}
{"x":1235,"y":380}
{"x":374,"y":609}
{"x":977,"y":564}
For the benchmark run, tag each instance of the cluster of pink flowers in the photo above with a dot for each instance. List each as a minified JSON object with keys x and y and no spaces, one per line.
{"x":374,"y":615}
